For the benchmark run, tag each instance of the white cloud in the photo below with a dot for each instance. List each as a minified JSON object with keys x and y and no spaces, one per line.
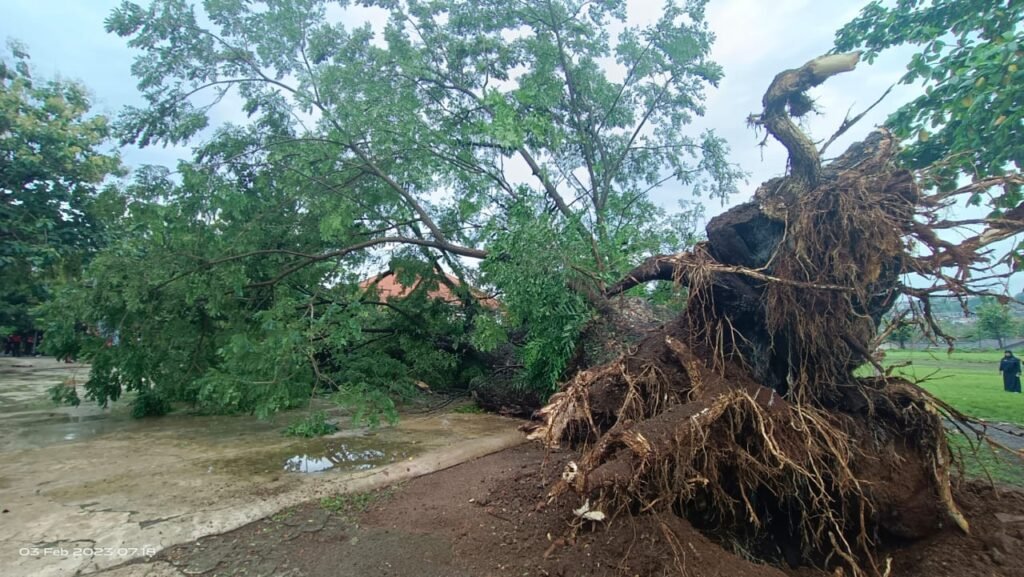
{"x":755,"y":41}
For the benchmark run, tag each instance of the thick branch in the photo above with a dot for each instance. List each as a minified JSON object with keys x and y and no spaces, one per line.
{"x":562,"y":206}
{"x":585,"y":129}
{"x":787,"y":91}
{"x":678,"y":268}
{"x":658,"y":267}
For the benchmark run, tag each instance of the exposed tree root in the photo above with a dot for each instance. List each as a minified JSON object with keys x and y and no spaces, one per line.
{"x":784,"y":480}
{"x":743,"y":414}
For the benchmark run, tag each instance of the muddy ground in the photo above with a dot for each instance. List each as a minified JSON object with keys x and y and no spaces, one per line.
{"x":83,"y":488}
{"x":484,"y":518}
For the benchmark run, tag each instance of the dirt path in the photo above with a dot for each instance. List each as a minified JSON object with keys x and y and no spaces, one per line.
{"x":83,"y":489}
{"x":485,"y":519}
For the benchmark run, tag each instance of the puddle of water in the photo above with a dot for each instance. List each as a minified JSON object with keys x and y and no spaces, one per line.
{"x":344,"y":457}
{"x":237,"y":445}
{"x":30,"y":420}
{"x":333,"y":454}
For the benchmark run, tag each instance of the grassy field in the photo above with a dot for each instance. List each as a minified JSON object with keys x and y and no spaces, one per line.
{"x":969,"y":381}
{"x":986,"y":462}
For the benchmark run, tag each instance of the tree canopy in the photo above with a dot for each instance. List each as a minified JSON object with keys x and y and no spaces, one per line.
{"x":52,"y":170}
{"x":525,"y":137}
{"x":970,"y":119}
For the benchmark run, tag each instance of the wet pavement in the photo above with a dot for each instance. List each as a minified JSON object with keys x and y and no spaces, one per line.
{"x":84,"y":489}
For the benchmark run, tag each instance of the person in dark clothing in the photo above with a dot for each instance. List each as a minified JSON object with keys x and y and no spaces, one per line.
{"x":1010,"y":367}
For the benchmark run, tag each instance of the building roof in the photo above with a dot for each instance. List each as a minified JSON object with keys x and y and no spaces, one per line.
{"x":388,"y":287}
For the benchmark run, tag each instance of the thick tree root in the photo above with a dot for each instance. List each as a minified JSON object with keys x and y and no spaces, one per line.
{"x":743,"y":415}
{"x":777,"y":479}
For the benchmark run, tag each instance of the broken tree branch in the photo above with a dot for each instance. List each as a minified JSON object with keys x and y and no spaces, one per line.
{"x":785,"y":98}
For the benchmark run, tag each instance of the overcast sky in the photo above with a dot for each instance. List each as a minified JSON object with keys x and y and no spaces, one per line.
{"x":756,"y":39}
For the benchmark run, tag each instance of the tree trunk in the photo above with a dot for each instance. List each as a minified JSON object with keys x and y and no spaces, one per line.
{"x":743,"y":414}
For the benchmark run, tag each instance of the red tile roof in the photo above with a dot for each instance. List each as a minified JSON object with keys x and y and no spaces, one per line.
{"x":388,"y":287}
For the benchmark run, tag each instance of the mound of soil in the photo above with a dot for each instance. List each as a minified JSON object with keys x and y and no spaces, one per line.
{"x":995,"y":546}
{"x":489,"y":517}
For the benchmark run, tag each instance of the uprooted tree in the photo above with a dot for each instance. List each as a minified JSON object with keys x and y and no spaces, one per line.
{"x":744,"y":414}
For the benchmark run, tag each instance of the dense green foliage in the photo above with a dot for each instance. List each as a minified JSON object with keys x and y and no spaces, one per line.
{"x":228,"y":337}
{"x":465,"y":132}
{"x":969,"y":122}
{"x":51,"y":173}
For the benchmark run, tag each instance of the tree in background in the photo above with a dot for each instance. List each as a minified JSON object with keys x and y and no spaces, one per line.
{"x":995,"y":321}
{"x":51,"y":195}
{"x":903,"y":334}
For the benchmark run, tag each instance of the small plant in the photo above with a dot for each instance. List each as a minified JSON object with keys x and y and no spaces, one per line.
{"x":281,"y":516}
{"x":314,"y":425}
{"x":64,"y":394}
{"x":149,"y":403}
{"x":470,"y":409}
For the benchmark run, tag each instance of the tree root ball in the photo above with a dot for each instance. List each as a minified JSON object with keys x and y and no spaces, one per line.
{"x":744,"y":414}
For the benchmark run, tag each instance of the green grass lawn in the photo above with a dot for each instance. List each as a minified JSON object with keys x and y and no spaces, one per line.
{"x":969,"y":381}
{"x":986,"y":462}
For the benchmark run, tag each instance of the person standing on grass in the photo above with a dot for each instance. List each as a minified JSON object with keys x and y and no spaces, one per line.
{"x":1010,"y":367}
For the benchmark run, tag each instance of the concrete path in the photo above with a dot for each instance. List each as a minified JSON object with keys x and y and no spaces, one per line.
{"x":1006,"y":434}
{"x":83,"y":489}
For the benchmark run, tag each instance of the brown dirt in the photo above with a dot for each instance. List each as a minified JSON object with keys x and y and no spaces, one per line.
{"x":485,"y":518}
{"x":995,"y":547}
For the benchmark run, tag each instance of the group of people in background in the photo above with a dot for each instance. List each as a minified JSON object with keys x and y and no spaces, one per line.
{"x":21,"y":345}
